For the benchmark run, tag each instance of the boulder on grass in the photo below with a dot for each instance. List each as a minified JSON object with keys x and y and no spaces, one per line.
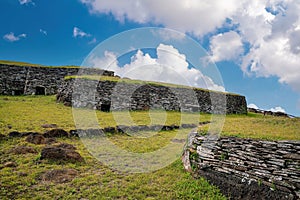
{"x":56,"y":133}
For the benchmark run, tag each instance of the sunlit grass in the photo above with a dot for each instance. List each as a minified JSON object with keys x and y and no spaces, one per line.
{"x":97,"y":181}
{"x":28,"y":113}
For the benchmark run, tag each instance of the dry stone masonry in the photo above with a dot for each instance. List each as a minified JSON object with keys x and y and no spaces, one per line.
{"x":243,"y":167}
{"x":19,"y":80}
{"x":113,"y":95}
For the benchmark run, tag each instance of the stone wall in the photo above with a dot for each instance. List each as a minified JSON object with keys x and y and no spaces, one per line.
{"x":17,"y":80}
{"x":110,"y":95}
{"x":246,"y":168}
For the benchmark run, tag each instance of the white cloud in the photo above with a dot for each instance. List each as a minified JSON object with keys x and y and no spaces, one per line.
{"x":277,"y":109}
{"x":170,"y":66}
{"x":271,"y":29}
{"x":226,"y":46}
{"x":79,"y":33}
{"x":43,"y":32}
{"x":169,"y":35}
{"x":26,"y":2}
{"x":252,"y":105}
{"x":93,"y":41}
{"x":11,"y":37}
{"x":197,"y":17}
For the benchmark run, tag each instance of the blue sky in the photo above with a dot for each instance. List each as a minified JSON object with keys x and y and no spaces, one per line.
{"x":256,"y":48}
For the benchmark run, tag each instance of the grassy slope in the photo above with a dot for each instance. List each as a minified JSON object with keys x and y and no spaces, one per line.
{"x":95,"y":179}
{"x":30,"y":112}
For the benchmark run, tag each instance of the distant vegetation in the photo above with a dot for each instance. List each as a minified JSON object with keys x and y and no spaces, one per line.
{"x":25,"y":64}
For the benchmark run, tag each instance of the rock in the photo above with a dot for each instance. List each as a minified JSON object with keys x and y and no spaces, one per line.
{"x":10,"y":164}
{"x":59,"y":175}
{"x":36,"y":138}
{"x":49,"y":126}
{"x":15,"y":134}
{"x":56,"y":133}
{"x":60,"y":154}
{"x":23,"y":150}
{"x":292,"y":156}
{"x":74,"y":133}
{"x":109,"y":130}
{"x":188,"y":125}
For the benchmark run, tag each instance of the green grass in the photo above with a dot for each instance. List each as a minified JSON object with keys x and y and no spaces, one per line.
{"x":28,"y":113}
{"x":25,"y":64}
{"x":97,"y":181}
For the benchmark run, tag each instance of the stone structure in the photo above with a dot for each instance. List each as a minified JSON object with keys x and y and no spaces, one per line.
{"x":122,"y":95}
{"x":112,"y":95}
{"x":236,"y":164}
{"x":18,"y":80}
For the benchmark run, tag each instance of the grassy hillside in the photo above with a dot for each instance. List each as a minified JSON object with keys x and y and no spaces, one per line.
{"x":25,"y":64}
{"x":28,"y":113}
{"x":97,"y":181}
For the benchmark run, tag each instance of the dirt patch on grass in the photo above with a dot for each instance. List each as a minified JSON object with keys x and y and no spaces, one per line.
{"x":58,"y":175}
{"x":56,"y":133}
{"x":36,"y":138}
{"x":23,"y":150}
{"x":60,"y":154}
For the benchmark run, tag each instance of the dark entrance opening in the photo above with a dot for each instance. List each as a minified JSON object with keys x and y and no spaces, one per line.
{"x":40,"y":90}
{"x":105,"y":107}
{"x":17,"y":92}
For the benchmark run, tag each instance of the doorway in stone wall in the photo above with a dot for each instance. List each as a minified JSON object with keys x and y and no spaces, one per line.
{"x":40,"y":90}
{"x":17,"y":92}
{"x":105,"y":107}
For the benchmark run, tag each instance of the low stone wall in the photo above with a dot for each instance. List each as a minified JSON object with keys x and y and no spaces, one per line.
{"x":246,"y":168}
{"x":109,"y":95}
{"x":19,"y":80}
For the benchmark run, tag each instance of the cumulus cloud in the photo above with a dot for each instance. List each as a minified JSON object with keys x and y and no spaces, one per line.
{"x":269,"y":28}
{"x":197,"y":17}
{"x":26,"y":2}
{"x":226,"y":46}
{"x":79,"y":33}
{"x":11,"y":37}
{"x":252,"y":105}
{"x":43,"y":32}
{"x":277,"y":109}
{"x":170,"y":66}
